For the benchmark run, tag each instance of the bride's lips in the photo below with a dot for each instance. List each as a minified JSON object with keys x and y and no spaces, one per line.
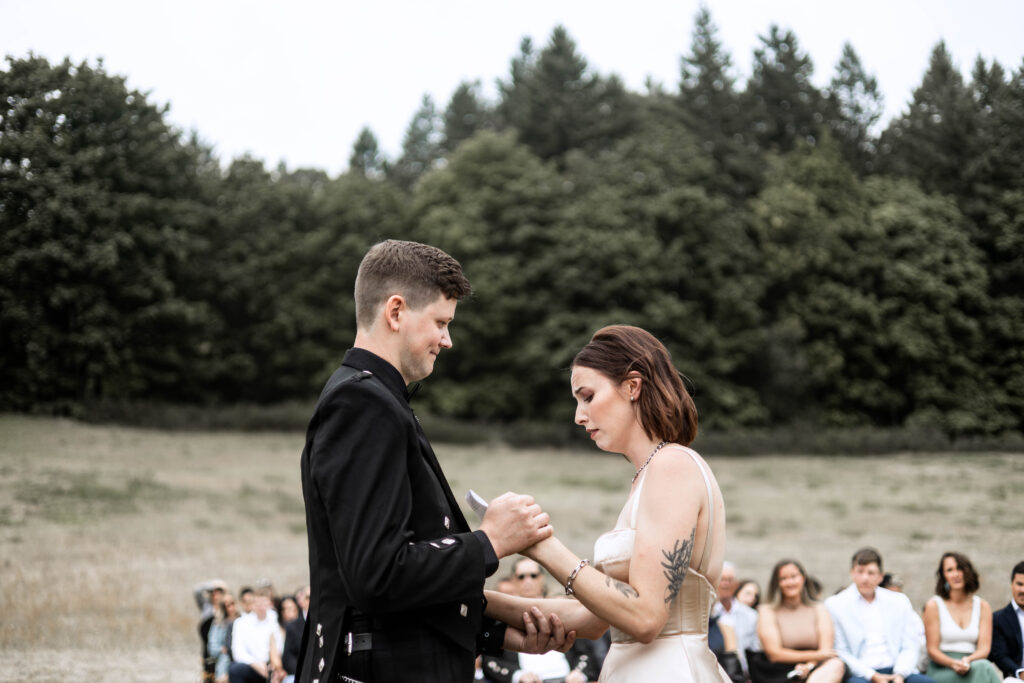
{"x":591,"y":432}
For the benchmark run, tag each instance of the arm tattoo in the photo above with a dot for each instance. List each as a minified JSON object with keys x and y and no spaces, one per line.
{"x":624,"y":588}
{"x":677,"y":561}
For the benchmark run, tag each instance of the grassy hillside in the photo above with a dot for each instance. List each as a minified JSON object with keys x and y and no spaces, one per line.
{"x":104,"y":530}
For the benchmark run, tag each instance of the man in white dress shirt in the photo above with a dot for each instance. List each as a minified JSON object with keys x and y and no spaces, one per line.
{"x":250,"y":643}
{"x":1008,"y":630}
{"x":877,"y":631}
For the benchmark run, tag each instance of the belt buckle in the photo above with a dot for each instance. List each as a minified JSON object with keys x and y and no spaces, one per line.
{"x":349,"y":642}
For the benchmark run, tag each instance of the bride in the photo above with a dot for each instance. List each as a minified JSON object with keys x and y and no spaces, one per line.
{"x":652,"y":577}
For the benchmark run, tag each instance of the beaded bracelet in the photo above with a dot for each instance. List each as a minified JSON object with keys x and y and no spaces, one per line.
{"x":572,"y":577}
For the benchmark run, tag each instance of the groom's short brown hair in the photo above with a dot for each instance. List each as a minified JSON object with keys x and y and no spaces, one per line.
{"x":417,"y":272}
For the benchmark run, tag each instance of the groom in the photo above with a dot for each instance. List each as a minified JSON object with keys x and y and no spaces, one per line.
{"x":396,"y":574}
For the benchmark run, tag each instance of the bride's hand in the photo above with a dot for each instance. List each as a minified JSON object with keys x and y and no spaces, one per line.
{"x":542,"y":634}
{"x":537,"y":551}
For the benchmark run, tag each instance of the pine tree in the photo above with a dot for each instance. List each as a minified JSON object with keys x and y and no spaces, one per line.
{"x":711,"y":107}
{"x":783,"y":106}
{"x":366,"y":159}
{"x":556,"y":104}
{"x":855,"y":105}
{"x":421,"y":148}
{"x":934,"y":141}
{"x":464,"y":116}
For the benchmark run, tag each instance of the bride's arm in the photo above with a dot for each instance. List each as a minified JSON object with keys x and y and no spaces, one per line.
{"x":666,"y":526}
{"x":575,"y":617}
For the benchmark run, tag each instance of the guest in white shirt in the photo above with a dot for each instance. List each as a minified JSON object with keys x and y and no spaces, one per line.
{"x":877,"y":632}
{"x":250,"y":643}
{"x":1008,"y":630}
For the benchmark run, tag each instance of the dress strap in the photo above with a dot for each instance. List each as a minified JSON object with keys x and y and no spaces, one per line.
{"x":705,"y":558}
{"x":636,"y":501}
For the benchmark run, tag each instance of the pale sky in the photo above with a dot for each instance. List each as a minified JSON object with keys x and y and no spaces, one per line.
{"x":296,"y":81}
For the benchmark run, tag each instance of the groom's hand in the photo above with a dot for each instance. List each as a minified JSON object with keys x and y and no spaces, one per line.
{"x":514,"y":522}
{"x":540,"y":634}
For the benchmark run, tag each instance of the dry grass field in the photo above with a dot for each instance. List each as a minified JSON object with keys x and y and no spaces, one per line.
{"x":104,"y":530}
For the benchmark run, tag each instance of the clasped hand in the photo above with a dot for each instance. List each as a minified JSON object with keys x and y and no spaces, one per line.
{"x":514,"y":522}
{"x":540,"y":634}
{"x":961,"y":667}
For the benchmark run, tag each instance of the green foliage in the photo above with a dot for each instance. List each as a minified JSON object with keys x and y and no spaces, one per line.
{"x":421,"y":147}
{"x":366,"y":159}
{"x":98,"y":217}
{"x":933,"y":141}
{"x":556,"y":104}
{"x":855,"y":105}
{"x":712,"y":108}
{"x":804,"y":274}
{"x":464,"y":116}
{"x":782,"y":105}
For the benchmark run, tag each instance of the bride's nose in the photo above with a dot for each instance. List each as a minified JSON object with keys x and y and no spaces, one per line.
{"x":580,"y":417}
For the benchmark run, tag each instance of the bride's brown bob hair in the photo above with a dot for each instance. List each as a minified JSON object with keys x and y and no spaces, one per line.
{"x":665,"y":408}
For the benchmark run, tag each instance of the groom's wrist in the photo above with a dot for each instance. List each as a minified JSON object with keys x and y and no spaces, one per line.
{"x":490,"y":557}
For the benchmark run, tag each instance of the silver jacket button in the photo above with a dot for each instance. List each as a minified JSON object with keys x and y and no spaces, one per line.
{"x":463,"y":609}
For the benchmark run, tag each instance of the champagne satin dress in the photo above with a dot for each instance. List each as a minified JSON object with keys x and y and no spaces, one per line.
{"x":680,"y":653}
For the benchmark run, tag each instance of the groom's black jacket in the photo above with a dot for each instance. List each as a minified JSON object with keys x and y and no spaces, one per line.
{"x":387,"y":538}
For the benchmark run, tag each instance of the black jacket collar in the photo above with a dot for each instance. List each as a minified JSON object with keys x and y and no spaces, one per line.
{"x":361,"y":359}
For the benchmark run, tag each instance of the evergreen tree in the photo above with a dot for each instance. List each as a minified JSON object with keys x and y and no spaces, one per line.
{"x":366,"y":159}
{"x":494,"y":208}
{"x":711,"y":107}
{"x":934,"y":141}
{"x":421,"y":148}
{"x":782,"y":105}
{"x":855,"y":107}
{"x":99,"y":203}
{"x":464,"y":116}
{"x":557,"y":105}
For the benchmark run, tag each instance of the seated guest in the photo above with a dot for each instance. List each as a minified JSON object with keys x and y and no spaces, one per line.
{"x":796,"y":632}
{"x":302,"y":598}
{"x":292,"y":647}
{"x":893,"y":582}
{"x":734,"y":614}
{"x":208,"y":596}
{"x":288,"y":608}
{"x":877,"y":632}
{"x":749,"y":593}
{"x":217,"y":639}
{"x":575,"y":666}
{"x":722,"y":641}
{"x":958,"y":625}
{"x":1008,"y":630}
{"x":250,"y":642}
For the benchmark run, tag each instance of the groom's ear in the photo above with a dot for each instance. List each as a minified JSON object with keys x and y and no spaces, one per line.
{"x":393,"y":309}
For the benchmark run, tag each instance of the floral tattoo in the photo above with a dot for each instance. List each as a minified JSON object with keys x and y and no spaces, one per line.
{"x":624,"y":588}
{"x":676,"y":562}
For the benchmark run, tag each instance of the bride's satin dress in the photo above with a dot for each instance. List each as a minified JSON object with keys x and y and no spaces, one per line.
{"x":680,"y":653}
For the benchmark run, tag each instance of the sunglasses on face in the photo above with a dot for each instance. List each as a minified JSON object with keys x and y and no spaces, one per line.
{"x":523,"y":576}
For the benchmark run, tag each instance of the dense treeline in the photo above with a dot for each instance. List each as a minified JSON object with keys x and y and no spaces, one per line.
{"x":800,"y":265}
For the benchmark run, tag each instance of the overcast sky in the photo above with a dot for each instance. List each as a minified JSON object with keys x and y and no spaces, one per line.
{"x":296,"y":81}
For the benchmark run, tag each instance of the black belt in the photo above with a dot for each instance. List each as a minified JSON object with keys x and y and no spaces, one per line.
{"x":358,"y":642}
